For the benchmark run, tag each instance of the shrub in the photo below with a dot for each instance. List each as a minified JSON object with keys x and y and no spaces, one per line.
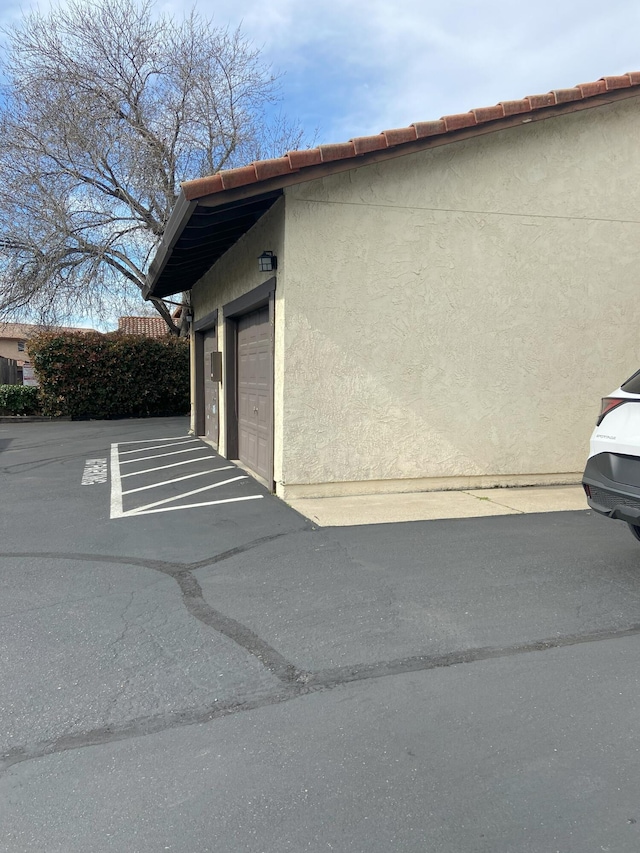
{"x":19,"y":399}
{"x":89,"y":375}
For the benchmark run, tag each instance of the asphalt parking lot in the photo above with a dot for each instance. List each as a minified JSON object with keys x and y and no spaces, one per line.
{"x":189,"y":664}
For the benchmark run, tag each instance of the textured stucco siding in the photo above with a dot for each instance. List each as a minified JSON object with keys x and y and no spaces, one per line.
{"x":457,"y":313}
{"x":235,"y":274}
{"x":9,"y":349}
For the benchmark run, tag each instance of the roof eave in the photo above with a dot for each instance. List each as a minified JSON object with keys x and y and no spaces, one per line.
{"x":310,"y":173}
{"x":180,"y":216}
{"x":185,"y":207}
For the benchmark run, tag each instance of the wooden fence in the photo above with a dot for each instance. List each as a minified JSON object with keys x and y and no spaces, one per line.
{"x":9,"y":371}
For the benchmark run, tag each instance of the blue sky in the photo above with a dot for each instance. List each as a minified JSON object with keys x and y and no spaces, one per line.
{"x":354,"y":67}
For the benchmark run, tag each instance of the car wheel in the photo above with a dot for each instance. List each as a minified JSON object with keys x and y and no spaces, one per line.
{"x":635,"y":530}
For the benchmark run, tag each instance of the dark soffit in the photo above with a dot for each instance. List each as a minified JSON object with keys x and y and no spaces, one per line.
{"x":196,"y":237}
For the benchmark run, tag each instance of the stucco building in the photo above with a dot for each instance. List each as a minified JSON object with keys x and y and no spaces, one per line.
{"x":13,"y":341}
{"x":450,"y":299}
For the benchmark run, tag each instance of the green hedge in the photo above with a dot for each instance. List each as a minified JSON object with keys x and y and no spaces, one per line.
{"x":19,"y":400}
{"x":89,"y":375}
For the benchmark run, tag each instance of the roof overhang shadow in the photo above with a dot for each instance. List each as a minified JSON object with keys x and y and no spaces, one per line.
{"x":197,"y":235}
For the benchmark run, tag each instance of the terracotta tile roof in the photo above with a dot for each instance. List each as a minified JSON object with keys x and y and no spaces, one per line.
{"x":23,"y":331}
{"x":148,"y":327}
{"x":294,"y":161}
{"x":214,"y":212}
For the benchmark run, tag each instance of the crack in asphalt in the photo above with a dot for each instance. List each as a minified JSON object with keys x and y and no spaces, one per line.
{"x":240,"y":549}
{"x":293,"y":682}
{"x":314,"y":683}
{"x":236,"y":631}
{"x":166,"y":567}
{"x":329,"y":678}
{"x":144,"y":726}
{"x":194,"y":601}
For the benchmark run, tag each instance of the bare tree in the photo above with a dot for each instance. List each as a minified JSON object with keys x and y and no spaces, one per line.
{"x":107,"y":106}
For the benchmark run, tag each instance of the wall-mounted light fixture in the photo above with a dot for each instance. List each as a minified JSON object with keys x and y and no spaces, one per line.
{"x":267,"y":262}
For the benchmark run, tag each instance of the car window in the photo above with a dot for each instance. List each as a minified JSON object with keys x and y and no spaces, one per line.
{"x":632,"y":385}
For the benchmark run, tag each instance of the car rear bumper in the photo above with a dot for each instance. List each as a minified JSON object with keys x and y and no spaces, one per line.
{"x":612,"y":484}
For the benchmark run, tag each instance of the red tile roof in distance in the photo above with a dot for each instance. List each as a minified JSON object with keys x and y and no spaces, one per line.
{"x":294,"y":161}
{"x":147,"y":327}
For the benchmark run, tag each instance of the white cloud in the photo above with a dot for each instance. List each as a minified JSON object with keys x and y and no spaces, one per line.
{"x":365,"y":65}
{"x":353,"y":67}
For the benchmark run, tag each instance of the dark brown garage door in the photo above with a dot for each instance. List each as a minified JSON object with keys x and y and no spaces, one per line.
{"x":255,"y":392}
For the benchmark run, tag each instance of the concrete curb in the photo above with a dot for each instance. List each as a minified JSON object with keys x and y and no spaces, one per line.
{"x":29,"y":419}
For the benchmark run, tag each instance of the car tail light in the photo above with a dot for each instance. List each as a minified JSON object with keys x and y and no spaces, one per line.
{"x":608,"y":405}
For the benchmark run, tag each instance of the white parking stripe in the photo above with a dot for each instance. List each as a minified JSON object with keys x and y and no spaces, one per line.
{"x":160,"y":455}
{"x":159,"y":446}
{"x":116,"y":485}
{"x":185,"y":495}
{"x":145,"y":440}
{"x":163,"y":467}
{"x":117,"y":493}
{"x":192,"y":506}
{"x":177,"y":479}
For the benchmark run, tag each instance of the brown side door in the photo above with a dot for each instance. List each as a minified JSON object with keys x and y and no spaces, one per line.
{"x":211,"y":388}
{"x":255,"y":394}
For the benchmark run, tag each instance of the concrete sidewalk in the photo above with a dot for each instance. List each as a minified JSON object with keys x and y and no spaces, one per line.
{"x":427,"y":506}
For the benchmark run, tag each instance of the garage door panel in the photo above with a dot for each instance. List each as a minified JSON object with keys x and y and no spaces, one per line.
{"x":248,"y":442}
{"x":262,"y":452}
{"x":255,"y":401}
{"x":262,"y":415}
{"x":243,"y":406}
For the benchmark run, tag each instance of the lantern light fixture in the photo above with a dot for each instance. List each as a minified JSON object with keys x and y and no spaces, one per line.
{"x":267,"y":262}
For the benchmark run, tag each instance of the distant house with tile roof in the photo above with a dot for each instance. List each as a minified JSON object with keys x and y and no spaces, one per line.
{"x":446,"y":301}
{"x":147,"y":327}
{"x":14,"y":340}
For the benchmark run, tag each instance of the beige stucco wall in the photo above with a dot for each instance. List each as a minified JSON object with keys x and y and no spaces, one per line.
{"x":9,"y":349}
{"x":453,"y":316}
{"x":235,"y":274}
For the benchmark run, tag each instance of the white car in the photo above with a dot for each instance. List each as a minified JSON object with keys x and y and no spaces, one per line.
{"x":611,"y":478}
